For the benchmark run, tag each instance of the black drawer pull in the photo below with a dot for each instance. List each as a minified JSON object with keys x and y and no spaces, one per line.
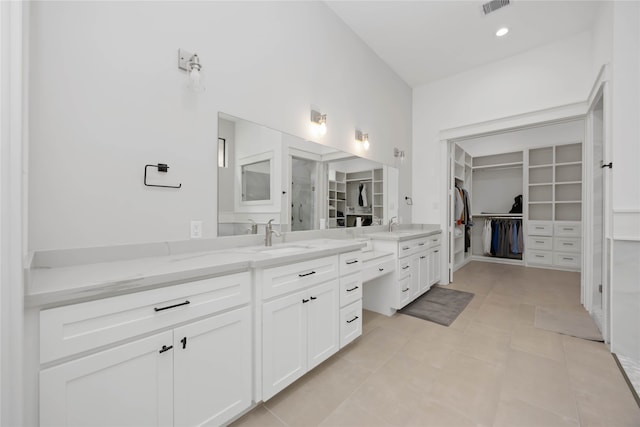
{"x":436,"y":251}
{"x":567,"y":259}
{"x":353,"y":320}
{"x":405,"y":290}
{"x":304,"y":301}
{"x":313,"y":298}
{"x":405,"y":267}
{"x":539,"y":256}
{"x":184,"y":342}
{"x":172,"y":306}
{"x":421,"y":244}
{"x":422,"y":257}
{"x":352,"y":262}
{"x":567,"y":244}
{"x":404,"y":248}
{"x":539,"y":228}
{"x":352,"y":289}
{"x":567,"y":229}
{"x":380,"y":269}
{"x":538,"y":241}
{"x":306,"y":274}
{"x":165,"y":348}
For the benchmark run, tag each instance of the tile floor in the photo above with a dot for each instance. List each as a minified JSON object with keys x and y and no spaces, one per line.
{"x":491,"y":367}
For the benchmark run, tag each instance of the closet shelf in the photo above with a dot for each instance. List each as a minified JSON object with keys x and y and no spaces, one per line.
{"x":536,"y":184}
{"x":498,"y":165}
{"x":568,"y":163}
{"x":546,"y":165}
{"x":568,"y":201}
{"x":568,"y":182}
{"x":541,"y":203}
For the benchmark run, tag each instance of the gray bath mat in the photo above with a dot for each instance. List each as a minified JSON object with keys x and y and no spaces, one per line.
{"x":439,"y":305}
{"x":573,"y":323}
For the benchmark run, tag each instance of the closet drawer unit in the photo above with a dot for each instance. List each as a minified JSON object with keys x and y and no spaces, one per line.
{"x":540,"y":242}
{"x":567,"y":244}
{"x":404,"y":267}
{"x":350,"y":323}
{"x":76,"y":328}
{"x":404,"y":292}
{"x":378,"y":268}
{"x":350,"y":262}
{"x":350,"y":289}
{"x":536,"y":228}
{"x":567,"y":260}
{"x":434,"y":240}
{"x":539,"y":257}
{"x":568,"y":229}
{"x":288,"y":278}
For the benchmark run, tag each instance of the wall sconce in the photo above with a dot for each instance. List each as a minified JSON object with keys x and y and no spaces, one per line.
{"x":363,"y":138}
{"x":319,"y":122}
{"x":398,"y":153}
{"x":190,"y":62}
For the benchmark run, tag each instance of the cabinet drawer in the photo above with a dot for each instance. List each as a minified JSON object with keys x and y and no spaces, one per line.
{"x":567,"y":260}
{"x":569,"y":229}
{"x":567,"y":244}
{"x":535,"y":228}
{"x":411,"y":247}
{"x":434,"y":240}
{"x":378,"y":268}
{"x":72,"y":329}
{"x":350,"y":323}
{"x":350,"y":262}
{"x":404,"y":267}
{"x":538,"y":257}
{"x":350,"y":289}
{"x":540,"y":242}
{"x":288,"y":278}
{"x":404,"y":292}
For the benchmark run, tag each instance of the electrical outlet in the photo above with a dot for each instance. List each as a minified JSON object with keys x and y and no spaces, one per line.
{"x":196,"y":229}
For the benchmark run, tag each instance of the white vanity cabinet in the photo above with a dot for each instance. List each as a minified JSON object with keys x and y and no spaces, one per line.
{"x":300,"y":320}
{"x":351,"y":265}
{"x":105,"y":363}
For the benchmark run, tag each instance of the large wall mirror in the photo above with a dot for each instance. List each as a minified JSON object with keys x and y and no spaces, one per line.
{"x":265,"y":174}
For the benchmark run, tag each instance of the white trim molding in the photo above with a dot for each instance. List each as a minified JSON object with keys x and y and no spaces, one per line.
{"x":626,"y":224}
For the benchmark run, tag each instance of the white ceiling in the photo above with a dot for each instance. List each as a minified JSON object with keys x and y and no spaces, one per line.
{"x":425,"y":40}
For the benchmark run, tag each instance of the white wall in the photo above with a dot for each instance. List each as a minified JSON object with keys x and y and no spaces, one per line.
{"x":552,"y":75}
{"x":106,"y":98}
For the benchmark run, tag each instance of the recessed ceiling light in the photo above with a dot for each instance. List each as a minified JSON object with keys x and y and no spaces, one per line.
{"x":502,"y":31}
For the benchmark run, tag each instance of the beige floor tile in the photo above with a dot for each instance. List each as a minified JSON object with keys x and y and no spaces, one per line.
{"x":432,"y":414}
{"x":537,"y":341}
{"x":435,"y":355}
{"x":374,"y":349}
{"x":469,"y":386}
{"x":350,"y":415}
{"x":526,"y":314}
{"x":541,"y":382}
{"x":516,"y":413}
{"x":608,"y":413}
{"x":259,"y":417}
{"x":405,"y":369}
{"x":486,"y":343}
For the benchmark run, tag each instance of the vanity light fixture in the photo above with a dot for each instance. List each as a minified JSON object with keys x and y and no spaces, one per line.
{"x":319,"y":122}
{"x":363,"y":138}
{"x":398,"y":153}
{"x":190,"y":62}
{"x":502,"y":32}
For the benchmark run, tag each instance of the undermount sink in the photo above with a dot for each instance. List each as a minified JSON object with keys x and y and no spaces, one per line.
{"x":280,"y":250}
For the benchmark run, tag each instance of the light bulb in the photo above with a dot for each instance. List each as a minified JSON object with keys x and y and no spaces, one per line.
{"x":502,"y":31}
{"x":365,"y":144}
{"x":322,"y":128}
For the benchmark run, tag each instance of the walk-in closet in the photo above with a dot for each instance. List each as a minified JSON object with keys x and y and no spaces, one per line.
{"x":516,"y":197}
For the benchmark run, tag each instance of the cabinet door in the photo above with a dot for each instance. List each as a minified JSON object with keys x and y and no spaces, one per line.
{"x":424,"y":271}
{"x":128,"y":385}
{"x":434,"y":264}
{"x":404,"y":292}
{"x":284,"y":342}
{"x":213,"y":369}
{"x":323,"y":317}
{"x":415,"y":277}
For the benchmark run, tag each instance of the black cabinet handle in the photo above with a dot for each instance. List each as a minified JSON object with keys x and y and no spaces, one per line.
{"x":404,"y":248}
{"x":380,"y":269}
{"x":353,"y":320}
{"x":305,"y":300}
{"x":352,"y":262}
{"x":567,"y":259}
{"x":306,"y":274}
{"x":420,"y":244}
{"x":436,"y":251}
{"x":314,"y":298}
{"x":165,"y":348}
{"x":405,"y":267}
{"x":184,"y":342}
{"x":422,"y":257}
{"x":352,"y":289}
{"x":171,"y":306}
{"x":405,"y":290}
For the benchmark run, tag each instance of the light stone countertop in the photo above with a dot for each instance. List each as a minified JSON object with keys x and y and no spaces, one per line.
{"x":406,"y":233}
{"x":55,"y":286}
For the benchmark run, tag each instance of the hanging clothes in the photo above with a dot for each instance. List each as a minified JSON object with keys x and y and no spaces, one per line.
{"x":502,"y":237}
{"x":486,"y":237}
{"x":458,"y":206}
{"x":363,"y":195}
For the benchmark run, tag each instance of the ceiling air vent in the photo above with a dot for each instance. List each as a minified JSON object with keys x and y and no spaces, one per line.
{"x":494,"y":5}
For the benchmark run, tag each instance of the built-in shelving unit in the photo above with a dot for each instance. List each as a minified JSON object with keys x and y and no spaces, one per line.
{"x":337,"y":198}
{"x":461,"y":171}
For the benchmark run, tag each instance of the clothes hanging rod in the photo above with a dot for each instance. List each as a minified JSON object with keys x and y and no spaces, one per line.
{"x":507,"y":216}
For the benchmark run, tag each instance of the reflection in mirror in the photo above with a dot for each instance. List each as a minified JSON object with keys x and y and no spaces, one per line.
{"x":256,"y":181}
{"x":300,"y":184}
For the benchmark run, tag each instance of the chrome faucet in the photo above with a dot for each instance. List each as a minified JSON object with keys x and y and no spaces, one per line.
{"x":254,"y":227}
{"x":268,"y":232}
{"x":392,"y":222}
